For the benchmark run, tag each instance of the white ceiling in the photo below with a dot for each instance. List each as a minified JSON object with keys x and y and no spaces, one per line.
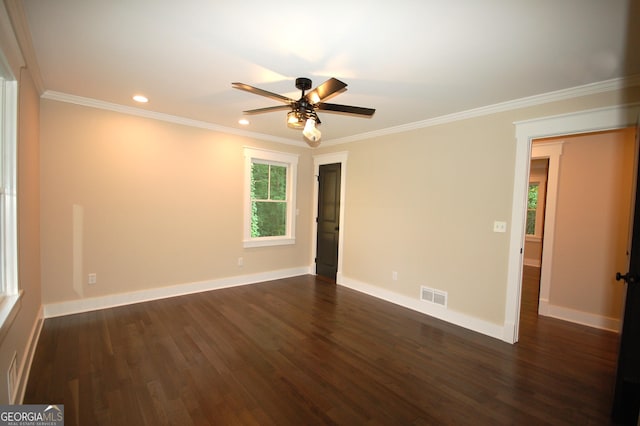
{"x":412,"y":60}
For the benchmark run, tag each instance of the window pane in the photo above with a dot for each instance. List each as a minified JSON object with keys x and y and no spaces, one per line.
{"x":531,"y":222}
{"x":278,"y":183}
{"x":268,"y":219}
{"x":533,"y":196}
{"x":259,"y":181}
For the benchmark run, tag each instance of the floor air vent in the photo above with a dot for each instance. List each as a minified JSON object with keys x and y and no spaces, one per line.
{"x":432,"y":295}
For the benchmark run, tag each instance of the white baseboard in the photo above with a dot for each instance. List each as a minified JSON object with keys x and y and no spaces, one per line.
{"x":510,"y":332}
{"x":95,"y":303}
{"x":27,"y":359}
{"x":543,"y":307}
{"x":578,"y":317}
{"x":448,"y":315}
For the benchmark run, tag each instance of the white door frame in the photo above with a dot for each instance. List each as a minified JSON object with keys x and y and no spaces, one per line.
{"x":600,"y":119}
{"x":319,"y":160}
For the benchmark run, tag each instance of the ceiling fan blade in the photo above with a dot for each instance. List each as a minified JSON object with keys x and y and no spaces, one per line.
{"x":267,"y":109}
{"x":333,"y":86}
{"x":261,"y":92}
{"x":346,"y":109}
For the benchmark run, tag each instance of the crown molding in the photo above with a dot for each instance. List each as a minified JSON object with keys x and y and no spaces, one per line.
{"x":559,"y":95}
{"x":139,"y":112}
{"x":23,"y":36}
{"x":11,"y":60}
{"x":17,"y":17}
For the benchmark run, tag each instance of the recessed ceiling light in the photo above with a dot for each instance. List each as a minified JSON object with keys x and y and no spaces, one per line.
{"x":243,"y":121}
{"x":141,"y":99}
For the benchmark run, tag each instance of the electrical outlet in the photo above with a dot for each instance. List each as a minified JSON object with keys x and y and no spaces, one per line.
{"x":240,"y":262}
{"x":394,"y":276}
{"x":93,"y":279}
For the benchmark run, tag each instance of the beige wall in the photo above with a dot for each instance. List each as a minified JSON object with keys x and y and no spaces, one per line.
{"x":592,"y":222}
{"x":146,"y":204}
{"x":159,"y":204}
{"x":20,"y":331}
{"x":422,"y":203}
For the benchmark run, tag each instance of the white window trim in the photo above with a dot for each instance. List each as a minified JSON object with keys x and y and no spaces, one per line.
{"x":291,"y":160}
{"x":9,"y":302}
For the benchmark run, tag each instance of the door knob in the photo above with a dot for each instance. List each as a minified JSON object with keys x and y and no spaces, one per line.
{"x":628,"y":277}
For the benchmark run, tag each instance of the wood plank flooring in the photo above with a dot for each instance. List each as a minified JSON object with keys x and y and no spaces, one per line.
{"x":301,"y":351}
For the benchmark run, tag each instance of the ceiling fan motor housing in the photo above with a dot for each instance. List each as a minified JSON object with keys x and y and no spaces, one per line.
{"x":303,"y":83}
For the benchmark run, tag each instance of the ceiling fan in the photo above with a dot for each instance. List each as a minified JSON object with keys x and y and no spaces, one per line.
{"x":302,"y":114}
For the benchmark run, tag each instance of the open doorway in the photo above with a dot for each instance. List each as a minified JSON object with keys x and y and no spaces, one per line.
{"x":526,"y":131}
{"x":588,"y":237}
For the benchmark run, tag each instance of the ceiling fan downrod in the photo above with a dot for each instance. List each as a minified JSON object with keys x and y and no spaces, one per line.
{"x":303,"y":83}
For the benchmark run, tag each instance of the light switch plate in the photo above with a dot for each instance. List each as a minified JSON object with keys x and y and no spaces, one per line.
{"x":499,"y":226}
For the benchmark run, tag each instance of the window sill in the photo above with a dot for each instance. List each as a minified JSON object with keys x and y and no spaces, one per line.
{"x":265,"y":242}
{"x":9,"y":307}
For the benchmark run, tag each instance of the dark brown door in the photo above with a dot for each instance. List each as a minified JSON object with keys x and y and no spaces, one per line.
{"x":626,"y":400}
{"x":328,"y":220}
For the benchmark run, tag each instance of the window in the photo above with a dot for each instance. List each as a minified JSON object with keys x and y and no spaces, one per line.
{"x":9,"y":295}
{"x":269,"y":197}
{"x":268,"y":200}
{"x":532,"y":208}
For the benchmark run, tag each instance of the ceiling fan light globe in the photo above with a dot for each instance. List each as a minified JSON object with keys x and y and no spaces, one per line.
{"x":294,"y":120}
{"x":311,"y":132}
{"x":309,"y":126}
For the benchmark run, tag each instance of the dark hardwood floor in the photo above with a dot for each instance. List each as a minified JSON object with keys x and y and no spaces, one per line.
{"x":302,"y":351}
